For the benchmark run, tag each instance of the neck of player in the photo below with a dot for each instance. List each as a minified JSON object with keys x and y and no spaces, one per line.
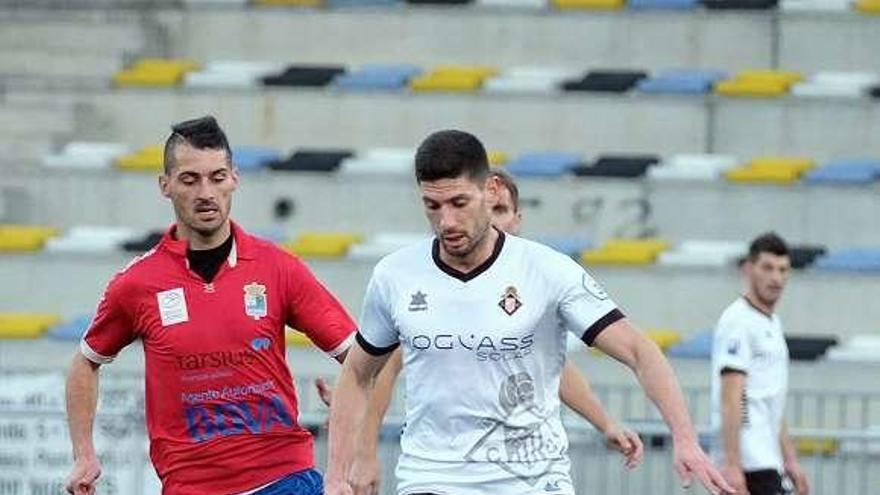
{"x":766,"y":307}
{"x":478,"y":256}
{"x":199,"y":241}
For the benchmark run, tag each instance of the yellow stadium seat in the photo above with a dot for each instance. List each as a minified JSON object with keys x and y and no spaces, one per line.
{"x":295,"y":338}
{"x":868,"y":6}
{"x":791,"y":77}
{"x":481,"y":71}
{"x":653,"y":245}
{"x":26,"y":325}
{"x":757,"y":88}
{"x":664,"y":338}
{"x":625,"y":252}
{"x":24,"y":238}
{"x":589,"y":4}
{"x":816,"y":446}
{"x":459,"y":83}
{"x":147,"y":159}
{"x":323,"y":244}
{"x":154,"y":72}
{"x":182,"y":64}
{"x":781,"y":176}
{"x":498,"y":158}
{"x":288,"y":3}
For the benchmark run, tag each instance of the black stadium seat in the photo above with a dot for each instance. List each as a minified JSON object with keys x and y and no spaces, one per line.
{"x":312,"y":161}
{"x":305,"y":75}
{"x":622,"y":166}
{"x":808,"y":348}
{"x":605,"y":81}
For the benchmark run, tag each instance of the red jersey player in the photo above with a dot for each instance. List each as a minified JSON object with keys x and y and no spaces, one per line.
{"x":209,"y":303}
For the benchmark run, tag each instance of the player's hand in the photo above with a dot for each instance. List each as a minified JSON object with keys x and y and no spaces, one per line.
{"x":84,"y":476}
{"x":364,"y":474}
{"x":336,"y":487}
{"x":734,"y":475}
{"x":691,"y":462}
{"x":798,"y":477}
{"x":325,"y":392}
{"x":627,"y":443}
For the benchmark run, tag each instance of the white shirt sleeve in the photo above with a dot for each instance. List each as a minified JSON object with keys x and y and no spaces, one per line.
{"x":377,"y":335}
{"x":584,"y":306}
{"x":731,"y":345}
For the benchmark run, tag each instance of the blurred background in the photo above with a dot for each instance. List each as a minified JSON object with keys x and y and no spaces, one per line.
{"x":651,"y":141}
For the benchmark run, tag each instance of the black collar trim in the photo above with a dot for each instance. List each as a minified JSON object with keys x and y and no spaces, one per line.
{"x":476,"y":272}
{"x":756,"y":308}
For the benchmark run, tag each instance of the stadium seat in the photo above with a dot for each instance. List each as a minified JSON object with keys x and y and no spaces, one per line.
{"x":520,"y":4}
{"x":868,"y":6}
{"x":617,"y":166}
{"x":86,"y":155}
{"x":571,"y":245}
{"x":605,"y":81}
{"x":498,"y":158}
{"x":380,"y":161}
{"x":25,"y":325}
{"x":715,"y":254}
{"x":808,"y":347}
{"x":323,"y":244}
{"x":147,"y":159}
{"x":529,"y":80}
{"x":697,"y":347}
{"x":70,"y":330}
{"x":680,"y":81}
{"x":377,"y":77}
{"x":771,"y":170}
{"x":808,"y":446}
{"x":815,"y":5}
{"x":295,"y":338}
{"x":333,"y":4}
{"x":846,"y":172}
{"x":383,"y":243}
{"x":836,"y":84}
{"x":314,"y":76}
{"x":453,"y":78}
{"x":850,"y":260}
{"x":689,"y":167}
{"x":543,"y":164}
{"x":664,"y":338}
{"x":90,"y":240}
{"x":154,"y":72}
{"x":804,"y":255}
{"x":231,"y":74}
{"x":143,"y":243}
{"x":758,"y":83}
{"x":24,"y":238}
{"x":253,"y":158}
{"x":215,"y":3}
{"x":874,"y":91}
{"x":589,"y":4}
{"x":312,"y":161}
{"x":438,"y":2}
{"x":288,"y":3}
{"x":740,"y":4}
{"x":662,"y":4}
{"x":625,"y":252}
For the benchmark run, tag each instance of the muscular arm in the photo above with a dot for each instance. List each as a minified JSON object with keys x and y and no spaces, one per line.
{"x":82,"y":403}
{"x":575,"y":392}
{"x":379,"y":401}
{"x":732,"y":388}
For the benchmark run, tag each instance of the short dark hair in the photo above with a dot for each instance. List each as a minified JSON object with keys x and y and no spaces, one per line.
{"x":507,"y":181}
{"x":201,"y":133}
{"x":449,"y":154}
{"x":768,"y":243}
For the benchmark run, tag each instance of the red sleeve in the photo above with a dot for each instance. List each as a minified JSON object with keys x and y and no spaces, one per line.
{"x":111,"y":330}
{"x":313,"y":310}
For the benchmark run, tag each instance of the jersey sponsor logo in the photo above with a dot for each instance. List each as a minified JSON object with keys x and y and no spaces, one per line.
{"x":261,"y":344}
{"x":419,"y":302}
{"x":236,"y":418}
{"x":593,"y":287}
{"x":255,"y":303}
{"x":216,"y":359}
{"x":510,"y":301}
{"x":172,"y":307}
{"x":524,"y":441}
{"x":484,"y":348}
{"x":733,"y":347}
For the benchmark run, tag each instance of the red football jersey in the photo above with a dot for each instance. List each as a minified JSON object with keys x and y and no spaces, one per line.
{"x":221,"y":408}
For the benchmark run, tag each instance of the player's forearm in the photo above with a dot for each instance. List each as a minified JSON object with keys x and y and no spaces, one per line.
{"x":789,"y":452}
{"x":731,"y":424}
{"x":346,"y":415}
{"x":82,"y":403}
{"x":575,"y":392}
{"x":659,"y":382}
{"x":380,"y":400}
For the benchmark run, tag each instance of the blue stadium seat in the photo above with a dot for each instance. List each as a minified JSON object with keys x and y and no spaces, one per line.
{"x":251,"y":158}
{"x":663,"y":4}
{"x":571,"y":245}
{"x":681,"y":81}
{"x":377,"y":77}
{"x":697,"y":347}
{"x":850,"y":171}
{"x":850,"y":260}
{"x":543,"y":164}
{"x":363,"y":3}
{"x":70,"y":330}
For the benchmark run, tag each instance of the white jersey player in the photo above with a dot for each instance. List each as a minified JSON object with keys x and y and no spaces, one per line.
{"x":482,"y":319}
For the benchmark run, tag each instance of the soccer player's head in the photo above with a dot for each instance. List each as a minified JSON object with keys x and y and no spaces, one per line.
{"x":199,"y":177}
{"x":504,"y":203}
{"x":767,"y":268}
{"x":452,"y":171}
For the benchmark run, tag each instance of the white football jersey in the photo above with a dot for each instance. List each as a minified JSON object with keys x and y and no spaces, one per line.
{"x":483,"y":352}
{"x":752,"y":342}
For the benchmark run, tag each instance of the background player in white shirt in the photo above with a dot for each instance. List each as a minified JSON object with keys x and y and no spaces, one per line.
{"x":574,"y":388}
{"x":750,"y":380}
{"x":482,"y":318}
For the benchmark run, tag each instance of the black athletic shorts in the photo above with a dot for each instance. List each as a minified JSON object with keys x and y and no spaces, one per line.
{"x":764,"y":482}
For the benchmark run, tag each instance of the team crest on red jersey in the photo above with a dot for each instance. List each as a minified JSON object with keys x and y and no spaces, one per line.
{"x":255,"y":303}
{"x":510,"y":301}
